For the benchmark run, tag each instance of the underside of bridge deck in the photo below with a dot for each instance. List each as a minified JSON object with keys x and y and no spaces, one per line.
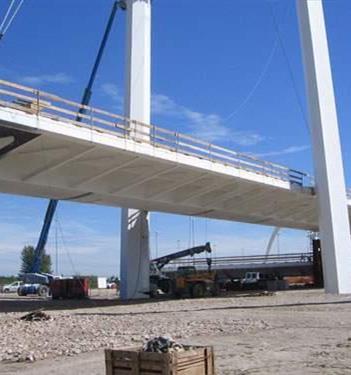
{"x":46,"y":158}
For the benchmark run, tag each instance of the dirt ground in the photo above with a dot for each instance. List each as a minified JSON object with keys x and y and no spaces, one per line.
{"x":291,"y":332}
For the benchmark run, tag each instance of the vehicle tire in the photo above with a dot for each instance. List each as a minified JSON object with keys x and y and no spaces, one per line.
{"x":43,"y":291}
{"x":215,"y":290}
{"x":166,"y":286}
{"x":177,"y":294}
{"x":6,"y":290}
{"x":198,"y":290}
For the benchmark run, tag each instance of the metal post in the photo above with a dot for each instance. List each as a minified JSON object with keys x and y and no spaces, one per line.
{"x":334,"y":223}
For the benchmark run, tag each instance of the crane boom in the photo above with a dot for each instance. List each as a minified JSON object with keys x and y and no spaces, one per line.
{"x":50,"y":211}
{"x":162,"y":261}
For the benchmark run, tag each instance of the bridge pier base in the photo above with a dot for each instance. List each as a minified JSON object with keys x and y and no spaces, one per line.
{"x":334,"y":223}
{"x":135,"y":254}
{"x":135,"y":259}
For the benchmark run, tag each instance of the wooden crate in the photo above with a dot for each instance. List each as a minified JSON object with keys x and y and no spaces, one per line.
{"x":199,"y":360}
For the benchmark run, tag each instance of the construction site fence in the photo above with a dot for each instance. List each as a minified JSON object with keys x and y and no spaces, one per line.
{"x":40,"y":103}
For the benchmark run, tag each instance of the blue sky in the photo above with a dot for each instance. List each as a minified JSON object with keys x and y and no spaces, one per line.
{"x":219,"y":72}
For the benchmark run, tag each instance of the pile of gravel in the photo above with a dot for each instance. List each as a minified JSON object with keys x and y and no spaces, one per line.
{"x":72,"y":333}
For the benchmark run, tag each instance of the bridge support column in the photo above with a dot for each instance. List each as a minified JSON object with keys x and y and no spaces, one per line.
{"x":135,"y":225}
{"x":329,"y":173}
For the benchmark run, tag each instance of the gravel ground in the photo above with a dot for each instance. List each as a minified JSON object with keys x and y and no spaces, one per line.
{"x":291,"y":332}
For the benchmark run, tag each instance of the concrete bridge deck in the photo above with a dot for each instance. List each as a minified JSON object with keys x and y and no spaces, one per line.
{"x":110,"y":160}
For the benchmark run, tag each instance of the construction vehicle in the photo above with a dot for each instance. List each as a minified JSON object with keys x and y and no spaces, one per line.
{"x":187,"y":281}
{"x":36,"y":283}
{"x":257,"y":280}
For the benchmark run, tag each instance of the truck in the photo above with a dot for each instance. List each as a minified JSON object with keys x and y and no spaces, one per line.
{"x":187,"y":281}
{"x":36,"y":283}
{"x":256,"y":280}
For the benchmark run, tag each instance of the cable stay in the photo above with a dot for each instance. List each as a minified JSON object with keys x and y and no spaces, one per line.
{"x":10,"y":16}
{"x":262,"y":74}
{"x":289,"y":68}
{"x":260,"y":78}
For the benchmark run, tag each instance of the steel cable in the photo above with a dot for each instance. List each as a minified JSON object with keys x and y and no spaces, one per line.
{"x":5,"y":26}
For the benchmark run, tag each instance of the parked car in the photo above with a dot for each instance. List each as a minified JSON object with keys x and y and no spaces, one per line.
{"x":11,"y":288}
{"x":111,"y":285}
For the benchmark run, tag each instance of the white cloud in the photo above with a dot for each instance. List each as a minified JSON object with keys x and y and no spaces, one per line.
{"x":285,"y":151}
{"x":163,"y":105}
{"x":112,"y":91}
{"x":206,"y":126}
{"x":58,"y":78}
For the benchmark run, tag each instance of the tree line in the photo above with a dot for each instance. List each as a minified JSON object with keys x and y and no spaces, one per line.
{"x":27,"y":260}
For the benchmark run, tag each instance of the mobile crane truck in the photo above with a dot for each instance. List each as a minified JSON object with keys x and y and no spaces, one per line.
{"x":188,"y":282}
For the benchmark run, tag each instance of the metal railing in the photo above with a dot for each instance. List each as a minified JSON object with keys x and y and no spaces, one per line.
{"x":41,"y":103}
{"x":303,"y":258}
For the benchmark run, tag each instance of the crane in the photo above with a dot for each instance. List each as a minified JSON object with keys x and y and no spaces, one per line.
{"x":162,"y":261}
{"x":51,"y":209}
{"x":159,"y":281}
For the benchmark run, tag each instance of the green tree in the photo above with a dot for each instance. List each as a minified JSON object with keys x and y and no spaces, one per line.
{"x":27,"y":260}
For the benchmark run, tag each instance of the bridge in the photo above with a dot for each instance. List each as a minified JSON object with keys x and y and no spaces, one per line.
{"x":124,"y":161}
{"x":46,"y":153}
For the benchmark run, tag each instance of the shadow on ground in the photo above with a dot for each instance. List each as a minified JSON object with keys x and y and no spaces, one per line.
{"x":24,"y":304}
{"x":266,"y":306}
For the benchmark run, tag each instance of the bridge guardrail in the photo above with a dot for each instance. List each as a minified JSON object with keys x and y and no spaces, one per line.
{"x":41,"y":103}
{"x":302,"y":258}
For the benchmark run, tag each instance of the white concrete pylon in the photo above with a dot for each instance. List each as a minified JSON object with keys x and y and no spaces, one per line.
{"x":329,"y":173}
{"x":135,"y":252}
